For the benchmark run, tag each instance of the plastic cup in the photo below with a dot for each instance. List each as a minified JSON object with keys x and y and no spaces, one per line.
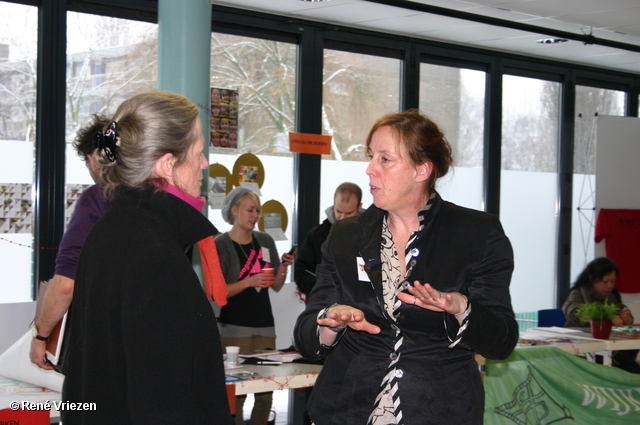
{"x":232,"y":355}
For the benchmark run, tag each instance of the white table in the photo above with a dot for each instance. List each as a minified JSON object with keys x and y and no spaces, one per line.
{"x":583,"y":343}
{"x":265,"y":378}
{"x":287,"y":376}
{"x":12,"y":390}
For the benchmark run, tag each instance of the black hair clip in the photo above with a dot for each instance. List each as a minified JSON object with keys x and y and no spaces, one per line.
{"x":108,"y":142}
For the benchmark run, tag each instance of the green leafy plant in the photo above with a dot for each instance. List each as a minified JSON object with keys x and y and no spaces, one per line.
{"x":596,"y":311}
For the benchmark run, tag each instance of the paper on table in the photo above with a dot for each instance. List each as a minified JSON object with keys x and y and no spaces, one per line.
{"x":274,"y":356}
{"x":284,"y":358}
{"x":238,"y":373}
{"x":561,"y":330}
{"x":260,"y":353}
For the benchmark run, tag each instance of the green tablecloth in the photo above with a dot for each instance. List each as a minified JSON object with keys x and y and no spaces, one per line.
{"x":545,"y":385}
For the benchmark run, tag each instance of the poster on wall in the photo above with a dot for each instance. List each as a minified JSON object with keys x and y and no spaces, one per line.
{"x":249,"y":172}
{"x":220,"y":183}
{"x":72,"y":194}
{"x":16,"y":214}
{"x":274,"y":220}
{"x":224,"y":120}
{"x":17,"y":208}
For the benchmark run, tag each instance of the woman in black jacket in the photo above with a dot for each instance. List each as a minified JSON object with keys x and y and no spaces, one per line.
{"x":144,"y":346}
{"x":407,"y":292}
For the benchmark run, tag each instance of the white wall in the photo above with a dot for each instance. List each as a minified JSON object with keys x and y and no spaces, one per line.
{"x":16,"y":319}
{"x":618,"y":176}
{"x":286,"y":308}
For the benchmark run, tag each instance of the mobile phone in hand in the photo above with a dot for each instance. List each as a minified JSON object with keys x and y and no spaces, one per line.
{"x":293,"y":249}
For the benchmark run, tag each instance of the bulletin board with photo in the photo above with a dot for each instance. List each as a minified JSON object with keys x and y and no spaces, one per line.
{"x":224,"y":120}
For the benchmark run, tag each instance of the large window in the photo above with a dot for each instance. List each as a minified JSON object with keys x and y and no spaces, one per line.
{"x":357,"y":90}
{"x":454,"y":99}
{"x":528,"y":190}
{"x":262,"y":73}
{"x":590,"y":102}
{"x":108,"y":61}
{"x":18,"y":53}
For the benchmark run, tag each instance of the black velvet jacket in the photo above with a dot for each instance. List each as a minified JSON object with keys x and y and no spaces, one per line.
{"x":144,"y":343}
{"x":460,"y":250}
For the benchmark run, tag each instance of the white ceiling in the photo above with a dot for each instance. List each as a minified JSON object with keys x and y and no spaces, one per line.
{"x":612,"y":20}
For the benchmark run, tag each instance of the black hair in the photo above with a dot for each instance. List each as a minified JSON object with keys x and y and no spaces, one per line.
{"x":596,"y":270}
{"x":83,"y":142}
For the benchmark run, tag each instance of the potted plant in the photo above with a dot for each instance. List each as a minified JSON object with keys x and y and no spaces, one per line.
{"x":599,"y":315}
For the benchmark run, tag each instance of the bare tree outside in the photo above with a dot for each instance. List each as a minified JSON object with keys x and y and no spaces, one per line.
{"x":18,"y":53}
{"x":357,"y":90}
{"x":264,"y":73}
{"x":591,"y":102}
{"x":468,"y":146}
{"x":530,"y":127}
{"x":108,"y":61}
{"x":454,"y":99}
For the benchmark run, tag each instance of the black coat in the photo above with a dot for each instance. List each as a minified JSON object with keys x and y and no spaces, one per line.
{"x":144,"y":343}
{"x":309,"y":256}
{"x":459,"y":250}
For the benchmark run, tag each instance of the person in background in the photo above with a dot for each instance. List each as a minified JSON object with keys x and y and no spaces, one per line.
{"x":347,"y":202}
{"x":597,"y":283}
{"x":406,"y":294}
{"x":89,"y":208}
{"x":247,"y":320}
{"x":144,"y":343}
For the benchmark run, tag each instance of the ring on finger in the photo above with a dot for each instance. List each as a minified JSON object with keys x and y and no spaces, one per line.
{"x":415,"y":299}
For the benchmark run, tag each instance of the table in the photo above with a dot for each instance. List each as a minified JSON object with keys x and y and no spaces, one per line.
{"x":581,"y":342}
{"x":287,"y":376}
{"x":279,"y":377}
{"x":12,"y":390}
{"x":267,"y":378}
{"x":578,"y":344}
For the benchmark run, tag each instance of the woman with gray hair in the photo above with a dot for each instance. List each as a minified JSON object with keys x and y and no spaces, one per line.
{"x":244,"y":253}
{"x":144,"y":346}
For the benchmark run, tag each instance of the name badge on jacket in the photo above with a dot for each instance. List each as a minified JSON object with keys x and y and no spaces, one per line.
{"x":362,"y":274}
{"x":266,"y":255}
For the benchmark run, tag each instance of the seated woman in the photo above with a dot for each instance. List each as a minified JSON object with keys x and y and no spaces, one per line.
{"x":597,"y":282}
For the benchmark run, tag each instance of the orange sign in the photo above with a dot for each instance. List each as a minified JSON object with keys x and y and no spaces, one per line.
{"x":310,"y":143}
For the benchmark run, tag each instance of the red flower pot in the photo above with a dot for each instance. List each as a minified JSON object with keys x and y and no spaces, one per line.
{"x":601,"y":329}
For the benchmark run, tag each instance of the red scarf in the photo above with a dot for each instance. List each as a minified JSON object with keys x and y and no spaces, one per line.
{"x":214,"y":282}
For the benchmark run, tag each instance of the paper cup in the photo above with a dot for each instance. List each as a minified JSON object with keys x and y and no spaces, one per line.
{"x":232,"y":356}
{"x":269,"y":271}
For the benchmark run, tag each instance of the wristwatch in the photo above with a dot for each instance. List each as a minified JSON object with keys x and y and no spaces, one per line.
{"x":37,"y":336}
